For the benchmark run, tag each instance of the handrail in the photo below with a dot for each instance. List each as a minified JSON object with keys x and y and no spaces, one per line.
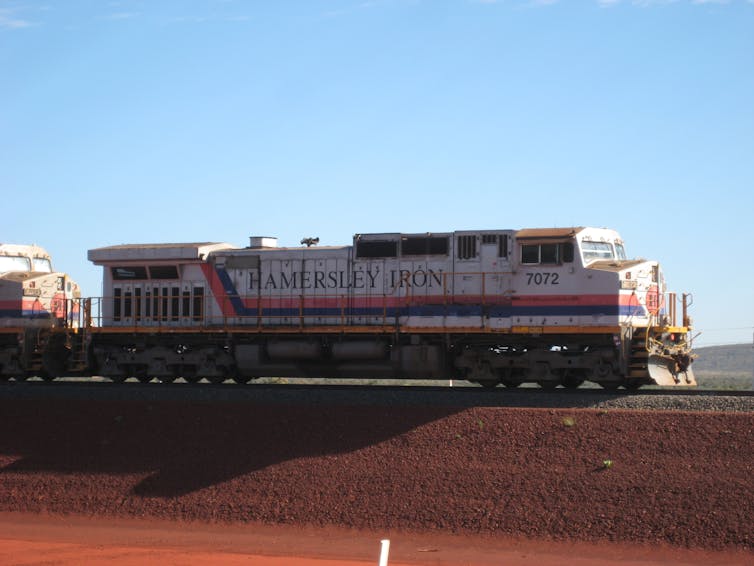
{"x":160,"y":310}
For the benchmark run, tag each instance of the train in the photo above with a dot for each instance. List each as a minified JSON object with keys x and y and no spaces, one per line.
{"x":548,"y":306}
{"x":39,"y":309}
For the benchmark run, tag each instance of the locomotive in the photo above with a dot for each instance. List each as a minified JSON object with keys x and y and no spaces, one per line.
{"x":554,"y":307}
{"x":39,"y":315}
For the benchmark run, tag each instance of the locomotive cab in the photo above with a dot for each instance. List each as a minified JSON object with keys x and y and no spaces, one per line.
{"x":653,"y":338}
{"x":581,"y":282}
{"x":31,"y":293}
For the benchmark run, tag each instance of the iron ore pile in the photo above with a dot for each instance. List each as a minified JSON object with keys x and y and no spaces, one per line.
{"x":631,"y":469}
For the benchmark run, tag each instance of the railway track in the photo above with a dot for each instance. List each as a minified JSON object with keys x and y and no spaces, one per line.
{"x":383,"y":395}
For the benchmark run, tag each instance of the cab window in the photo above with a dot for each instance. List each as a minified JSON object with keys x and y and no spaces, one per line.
{"x":596,"y":250}
{"x":621,"y":251}
{"x":14,"y":263}
{"x":42,"y":265}
{"x":546,"y":254}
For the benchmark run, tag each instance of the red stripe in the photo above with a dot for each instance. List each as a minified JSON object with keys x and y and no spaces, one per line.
{"x":376,"y":302}
{"x":559,"y":300}
{"x":217,"y":289}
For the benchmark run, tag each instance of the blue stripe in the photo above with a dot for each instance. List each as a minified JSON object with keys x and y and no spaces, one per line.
{"x":449,"y":310}
{"x":27,"y":313}
{"x":232,"y":294}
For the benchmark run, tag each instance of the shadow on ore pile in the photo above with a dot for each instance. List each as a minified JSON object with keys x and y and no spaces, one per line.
{"x":184,"y":448}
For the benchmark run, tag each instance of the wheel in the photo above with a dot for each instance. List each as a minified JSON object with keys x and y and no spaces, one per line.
{"x":509,"y":378}
{"x":570,"y":379}
{"x":488,"y":383}
{"x":632,"y":384}
{"x":548,"y":384}
{"x":610,"y":385}
{"x":241,"y":379}
{"x":54,"y":359}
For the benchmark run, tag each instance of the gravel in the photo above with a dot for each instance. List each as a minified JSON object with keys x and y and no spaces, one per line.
{"x":293,"y":394}
{"x":673,"y":477}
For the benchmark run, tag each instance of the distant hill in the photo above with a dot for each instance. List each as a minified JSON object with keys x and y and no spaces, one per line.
{"x":736,"y":359}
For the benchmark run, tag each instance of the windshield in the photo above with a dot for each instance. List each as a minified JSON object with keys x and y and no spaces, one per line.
{"x":14,"y":263}
{"x":597,"y":250}
{"x":621,"y":251}
{"x":42,"y":265}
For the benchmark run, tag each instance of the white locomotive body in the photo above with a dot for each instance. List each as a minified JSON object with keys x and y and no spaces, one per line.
{"x":552,"y":306}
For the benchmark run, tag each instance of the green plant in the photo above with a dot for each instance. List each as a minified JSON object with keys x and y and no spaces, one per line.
{"x":569,"y":421}
{"x":607,"y":464}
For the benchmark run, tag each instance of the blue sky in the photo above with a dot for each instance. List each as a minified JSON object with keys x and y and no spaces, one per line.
{"x":212,"y":120}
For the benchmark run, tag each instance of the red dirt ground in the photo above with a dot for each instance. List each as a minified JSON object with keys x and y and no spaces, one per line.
{"x":491,"y":480}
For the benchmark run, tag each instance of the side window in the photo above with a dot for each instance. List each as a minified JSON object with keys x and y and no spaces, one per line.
{"x":567,"y":252}
{"x":530,"y":254}
{"x":546,"y":254}
{"x":138,"y":272}
{"x":129,"y":272}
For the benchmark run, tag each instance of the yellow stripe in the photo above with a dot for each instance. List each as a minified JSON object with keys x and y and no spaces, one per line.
{"x":373,"y":329}
{"x":673,"y":329}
